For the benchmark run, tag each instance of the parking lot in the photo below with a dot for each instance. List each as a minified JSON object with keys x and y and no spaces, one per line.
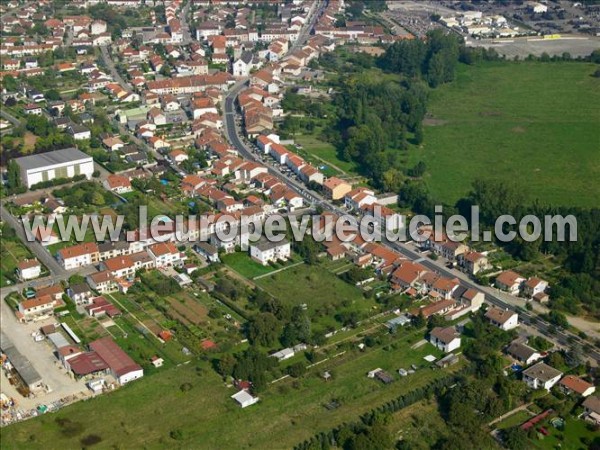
{"x":41,"y":356}
{"x":523,"y":47}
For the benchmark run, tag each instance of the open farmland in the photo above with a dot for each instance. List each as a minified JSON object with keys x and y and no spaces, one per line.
{"x":147,"y":415}
{"x":535,"y":122}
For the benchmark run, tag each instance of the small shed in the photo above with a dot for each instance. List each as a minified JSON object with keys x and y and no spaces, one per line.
{"x":244,"y":398}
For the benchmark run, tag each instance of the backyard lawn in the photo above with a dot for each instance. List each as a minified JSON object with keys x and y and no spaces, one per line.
{"x":571,"y":438}
{"x":514,"y":420}
{"x":13,"y":252}
{"x":243,"y":264}
{"x":527,"y":121}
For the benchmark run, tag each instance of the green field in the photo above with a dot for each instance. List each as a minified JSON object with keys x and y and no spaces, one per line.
{"x":323,"y":292}
{"x":537,"y":123}
{"x":313,"y":145}
{"x":144,"y":413}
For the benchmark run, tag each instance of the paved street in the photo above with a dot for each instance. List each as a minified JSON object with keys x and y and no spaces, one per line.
{"x":110,"y":65}
{"x":12,"y":119}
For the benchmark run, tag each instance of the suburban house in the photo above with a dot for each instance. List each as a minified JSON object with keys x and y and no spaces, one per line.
{"x":119,"y":266}
{"x":103,"y":282}
{"x":510,"y":282}
{"x":28,"y":269}
{"x":541,"y":375}
{"x":449,"y":249}
{"x":573,"y":384}
{"x":591,"y":409}
{"x":523,"y":353}
{"x":37,"y":308}
{"x":446,"y":339}
{"x":265,"y":251}
{"x":80,"y":293}
{"x":358,"y":197}
{"x":502,"y":318}
{"x":534,"y":286}
{"x":209,"y":252}
{"x":473,"y":262}
{"x":78,"y":255}
{"x":117,"y":183}
{"x":165,"y":254}
{"x":335,"y":189}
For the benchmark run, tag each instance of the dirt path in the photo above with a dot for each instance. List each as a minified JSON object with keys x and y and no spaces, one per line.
{"x":510,"y":413}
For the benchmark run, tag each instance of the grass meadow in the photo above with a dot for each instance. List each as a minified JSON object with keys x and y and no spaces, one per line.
{"x":537,"y":123}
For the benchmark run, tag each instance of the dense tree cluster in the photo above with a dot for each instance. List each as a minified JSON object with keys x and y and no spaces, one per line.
{"x":83,"y":195}
{"x":434,"y":60}
{"x":374,"y":119}
{"x":251,"y":365}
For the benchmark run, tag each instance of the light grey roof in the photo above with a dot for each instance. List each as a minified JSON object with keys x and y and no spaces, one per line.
{"x":263,"y":244}
{"x":58,"y":340}
{"x":50,"y":158}
{"x":542,"y":372}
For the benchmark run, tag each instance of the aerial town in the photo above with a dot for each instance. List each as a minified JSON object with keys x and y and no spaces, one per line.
{"x":250,"y":112}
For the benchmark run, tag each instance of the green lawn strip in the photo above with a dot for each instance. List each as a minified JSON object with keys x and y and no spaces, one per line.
{"x":514,"y":420}
{"x":323,"y":292}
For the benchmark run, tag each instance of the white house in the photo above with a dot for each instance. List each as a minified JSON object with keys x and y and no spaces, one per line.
{"x":534,"y":286}
{"x":244,"y":398}
{"x":265,"y":251}
{"x":541,"y":376}
{"x":523,"y":353}
{"x":65,"y":163}
{"x":510,"y":282}
{"x":502,"y":318}
{"x":29,"y":269}
{"x":79,"y":132}
{"x":78,"y":255}
{"x":165,"y":254}
{"x":446,"y":339}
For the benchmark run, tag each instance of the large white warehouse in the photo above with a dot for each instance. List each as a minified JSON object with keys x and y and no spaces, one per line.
{"x":66,"y":163}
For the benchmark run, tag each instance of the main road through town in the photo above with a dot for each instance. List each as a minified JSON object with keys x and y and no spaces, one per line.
{"x":562,"y":337}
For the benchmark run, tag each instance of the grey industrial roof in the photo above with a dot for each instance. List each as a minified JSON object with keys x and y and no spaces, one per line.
{"x":21,"y":364}
{"x":58,"y":340}
{"x":50,"y":158}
